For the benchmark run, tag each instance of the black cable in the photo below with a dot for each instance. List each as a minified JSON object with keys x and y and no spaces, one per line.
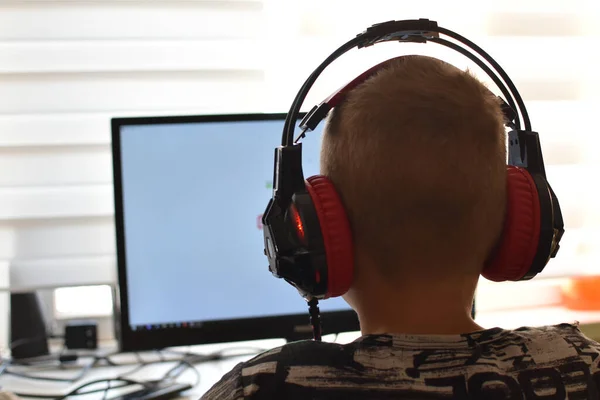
{"x":108,"y":387}
{"x":148,"y":363}
{"x":134,"y":370}
{"x":176,"y":371}
{"x":315,"y":318}
{"x":173,"y":373}
{"x":106,"y":358}
{"x":85,"y":370}
{"x":76,"y":391}
{"x":82,"y":373}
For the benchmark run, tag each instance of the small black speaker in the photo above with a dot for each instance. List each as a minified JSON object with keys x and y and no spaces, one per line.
{"x":27,"y":326}
{"x":81,"y":335}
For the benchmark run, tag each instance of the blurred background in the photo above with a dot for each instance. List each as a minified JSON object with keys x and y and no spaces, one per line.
{"x":67,"y":67}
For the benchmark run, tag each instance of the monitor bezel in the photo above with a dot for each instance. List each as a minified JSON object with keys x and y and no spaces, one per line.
{"x":290,"y":327}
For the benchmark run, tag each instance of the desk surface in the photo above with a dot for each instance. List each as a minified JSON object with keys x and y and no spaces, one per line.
{"x":208,"y":372}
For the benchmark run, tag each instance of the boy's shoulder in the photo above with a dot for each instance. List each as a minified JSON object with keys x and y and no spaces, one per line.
{"x":265,"y":370}
{"x":565,"y":338}
{"x":418,"y":363}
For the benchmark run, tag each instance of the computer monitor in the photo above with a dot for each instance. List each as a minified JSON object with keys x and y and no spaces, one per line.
{"x":189,"y":193}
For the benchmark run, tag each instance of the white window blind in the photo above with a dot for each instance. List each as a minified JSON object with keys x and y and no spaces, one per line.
{"x":67,"y":67}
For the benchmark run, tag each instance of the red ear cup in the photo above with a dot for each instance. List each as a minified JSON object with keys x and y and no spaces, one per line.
{"x":337,"y":236}
{"x":518,"y":245}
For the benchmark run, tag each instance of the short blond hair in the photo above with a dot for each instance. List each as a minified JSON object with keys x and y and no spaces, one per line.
{"x":418,"y":155}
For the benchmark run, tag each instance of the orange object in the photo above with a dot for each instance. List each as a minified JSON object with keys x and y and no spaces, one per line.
{"x":582,"y":293}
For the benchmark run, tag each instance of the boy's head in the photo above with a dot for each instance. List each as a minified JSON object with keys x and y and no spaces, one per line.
{"x":418,"y":155}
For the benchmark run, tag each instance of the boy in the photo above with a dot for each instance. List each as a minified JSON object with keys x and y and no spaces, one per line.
{"x":424,"y":220}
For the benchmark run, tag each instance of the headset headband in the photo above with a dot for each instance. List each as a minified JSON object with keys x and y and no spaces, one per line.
{"x":415,"y":31}
{"x":524,"y":148}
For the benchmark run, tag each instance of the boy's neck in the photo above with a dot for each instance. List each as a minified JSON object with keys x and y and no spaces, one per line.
{"x":429,"y":307}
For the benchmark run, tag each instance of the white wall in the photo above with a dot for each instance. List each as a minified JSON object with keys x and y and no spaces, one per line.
{"x":67,"y":67}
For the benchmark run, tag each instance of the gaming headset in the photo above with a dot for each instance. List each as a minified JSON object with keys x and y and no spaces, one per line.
{"x":307,"y":234}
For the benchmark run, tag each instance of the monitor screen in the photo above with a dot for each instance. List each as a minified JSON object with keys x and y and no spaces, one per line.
{"x":189,"y":196}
